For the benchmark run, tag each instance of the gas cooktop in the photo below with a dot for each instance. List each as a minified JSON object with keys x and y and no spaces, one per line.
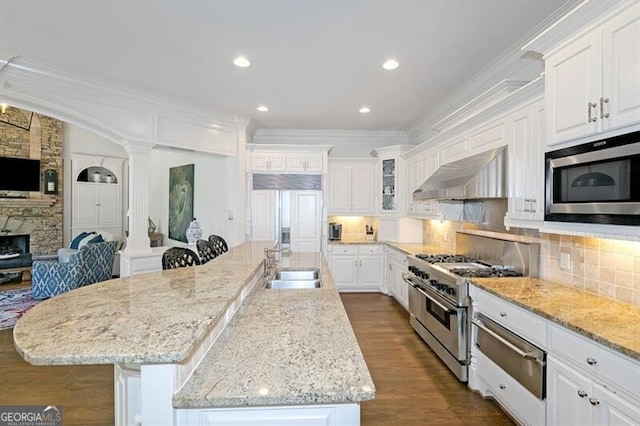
{"x":468,"y":267}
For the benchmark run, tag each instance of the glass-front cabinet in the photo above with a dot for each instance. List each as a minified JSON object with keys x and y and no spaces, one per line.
{"x":389,"y":200}
{"x":391,"y":197}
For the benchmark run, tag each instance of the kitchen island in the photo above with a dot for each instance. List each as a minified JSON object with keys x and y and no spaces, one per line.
{"x":209,"y":343}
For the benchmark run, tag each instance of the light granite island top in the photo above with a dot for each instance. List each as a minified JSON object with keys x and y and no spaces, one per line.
{"x":282,"y":348}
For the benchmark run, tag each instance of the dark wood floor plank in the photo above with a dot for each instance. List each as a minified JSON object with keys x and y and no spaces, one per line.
{"x":413,"y":387}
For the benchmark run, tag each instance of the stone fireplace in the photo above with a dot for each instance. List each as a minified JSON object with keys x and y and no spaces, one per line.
{"x":28,"y":135}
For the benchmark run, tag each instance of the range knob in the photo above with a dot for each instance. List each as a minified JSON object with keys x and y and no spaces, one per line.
{"x":434,"y":283}
{"x":451,"y":291}
{"x":412,"y":268}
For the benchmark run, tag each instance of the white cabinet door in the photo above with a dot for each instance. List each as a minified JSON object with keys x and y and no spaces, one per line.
{"x":391,"y":279}
{"x":340,"y":189}
{"x":363,"y":185}
{"x":269,"y":162}
{"x":572,"y":89}
{"x":109,"y":202}
{"x":296,"y":163}
{"x":371,"y":271}
{"x":344,"y":270}
{"x":568,"y":394}
{"x":263,"y":215}
{"x":526,"y":167}
{"x":621,"y":70}
{"x":610,"y":409}
{"x":314,"y":163}
{"x":85,"y":205}
{"x":412,"y":183}
{"x":305,"y":221}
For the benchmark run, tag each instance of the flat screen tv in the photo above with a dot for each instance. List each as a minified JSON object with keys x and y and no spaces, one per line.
{"x":19,"y":174}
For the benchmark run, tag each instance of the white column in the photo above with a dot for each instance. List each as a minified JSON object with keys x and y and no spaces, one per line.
{"x":138,"y":239}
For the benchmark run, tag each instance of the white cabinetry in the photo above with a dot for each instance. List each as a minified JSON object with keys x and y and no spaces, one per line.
{"x":588,"y":383}
{"x":269,"y":162}
{"x":298,"y":162}
{"x":593,"y":83}
{"x":526,"y":167}
{"x":352,"y":187}
{"x":487,"y":376}
{"x":96,"y":194}
{"x":396,"y":286}
{"x":419,"y":169}
{"x":357,"y":267}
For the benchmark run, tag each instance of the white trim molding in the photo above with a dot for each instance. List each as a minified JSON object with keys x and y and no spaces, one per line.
{"x":116,"y":113}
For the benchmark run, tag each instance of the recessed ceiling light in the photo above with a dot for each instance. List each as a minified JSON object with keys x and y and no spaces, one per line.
{"x":241,"y":62}
{"x":364,"y":110}
{"x":262,"y":108}
{"x":391,"y":64}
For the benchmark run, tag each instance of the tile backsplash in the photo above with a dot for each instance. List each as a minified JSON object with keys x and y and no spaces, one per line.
{"x":610,"y":268}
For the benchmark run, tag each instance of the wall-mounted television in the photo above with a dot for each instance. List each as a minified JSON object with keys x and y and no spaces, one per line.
{"x":19,"y":174}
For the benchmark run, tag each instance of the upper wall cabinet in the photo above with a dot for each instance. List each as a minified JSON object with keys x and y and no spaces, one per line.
{"x":352,"y":187}
{"x":391,"y":172}
{"x":279,"y":158}
{"x":593,"y":83}
{"x":526,"y":167}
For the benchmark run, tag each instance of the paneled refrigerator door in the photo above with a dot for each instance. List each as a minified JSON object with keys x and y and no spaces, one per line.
{"x":264,"y":211}
{"x":306,"y":221}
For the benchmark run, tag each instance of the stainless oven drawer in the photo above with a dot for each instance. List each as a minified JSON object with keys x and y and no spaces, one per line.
{"x":517,"y":357}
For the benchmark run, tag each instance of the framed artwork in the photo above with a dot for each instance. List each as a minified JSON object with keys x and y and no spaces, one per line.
{"x":180,"y":201}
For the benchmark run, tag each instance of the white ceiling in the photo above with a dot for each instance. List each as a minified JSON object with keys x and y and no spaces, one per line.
{"x":314,"y":63}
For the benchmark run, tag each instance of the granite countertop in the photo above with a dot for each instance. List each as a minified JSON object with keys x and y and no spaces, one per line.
{"x":156,"y":317}
{"x":283,"y":347}
{"x":611,"y":323}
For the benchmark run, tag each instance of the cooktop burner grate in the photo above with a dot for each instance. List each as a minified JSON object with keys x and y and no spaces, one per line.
{"x":445,"y":258}
{"x":485,"y":272}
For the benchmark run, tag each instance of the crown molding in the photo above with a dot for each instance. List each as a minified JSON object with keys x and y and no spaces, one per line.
{"x":580,"y":19}
{"x":114,"y":112}
{"x":301,"y":136}
{"x":511,"y":62}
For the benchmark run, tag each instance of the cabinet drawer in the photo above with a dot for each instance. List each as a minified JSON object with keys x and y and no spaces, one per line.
{"x":512,"y":395}
{"x":397,"y":256}
{"x":343,"y":249}
{"x":590,"y":357}
{"x":525,"y":324}
{"x":371,"y":249}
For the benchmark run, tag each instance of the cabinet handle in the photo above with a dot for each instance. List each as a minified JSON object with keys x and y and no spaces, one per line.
{"x":534,"y":203}
{"x":355,"y":262}
{"x":503,"y":314}
{"x":502,"y":386}
{"x":602,"y":113}
{"x":589,"y":106}
{"x":361,"y":262}
{"x":582,"y":393}
{"x":594,"y":401}
{"x":591,"y":361}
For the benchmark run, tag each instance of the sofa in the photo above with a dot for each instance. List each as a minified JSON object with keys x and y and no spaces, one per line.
{"x":91,"y":264}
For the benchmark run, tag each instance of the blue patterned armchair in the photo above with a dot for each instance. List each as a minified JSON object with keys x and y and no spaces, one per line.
{"x":93,"y":263}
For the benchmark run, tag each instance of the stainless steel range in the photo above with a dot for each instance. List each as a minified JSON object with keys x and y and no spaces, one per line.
{"x":439,"y":296}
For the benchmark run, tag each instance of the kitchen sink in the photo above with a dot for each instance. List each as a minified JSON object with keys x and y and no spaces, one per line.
{"x":297,"y":274}
{"x":295,"y":278}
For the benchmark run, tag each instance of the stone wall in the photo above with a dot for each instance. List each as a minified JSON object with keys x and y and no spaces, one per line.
{"x":37,"y":137}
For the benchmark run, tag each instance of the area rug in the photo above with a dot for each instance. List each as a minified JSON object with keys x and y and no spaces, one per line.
{"x":13,"y":304}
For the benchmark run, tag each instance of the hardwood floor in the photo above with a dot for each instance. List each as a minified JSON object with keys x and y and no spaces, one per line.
{"x":413,"y":387}
{"x":85,"y":392}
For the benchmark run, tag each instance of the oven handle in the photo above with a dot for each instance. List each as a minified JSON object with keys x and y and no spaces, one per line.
{"x":407,"y":279}
{"x":523,"y":354}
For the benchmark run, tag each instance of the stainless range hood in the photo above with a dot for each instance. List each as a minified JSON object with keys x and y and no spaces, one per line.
{"x":476,"y":177}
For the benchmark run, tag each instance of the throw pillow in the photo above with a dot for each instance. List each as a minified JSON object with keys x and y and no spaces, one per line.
{"x":76,"y":241}
{"x":86,"y":239}
{"x":96,"y":239}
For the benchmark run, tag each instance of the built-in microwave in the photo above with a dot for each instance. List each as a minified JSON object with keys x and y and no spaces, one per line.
{"x":596,"y":182}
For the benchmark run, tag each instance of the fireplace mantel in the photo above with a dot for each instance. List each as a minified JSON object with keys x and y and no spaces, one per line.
{"x":27,"y":202}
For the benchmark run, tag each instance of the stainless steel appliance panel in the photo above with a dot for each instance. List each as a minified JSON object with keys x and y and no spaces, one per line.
{"x":520,"y":359}
{"x":595,"y":182}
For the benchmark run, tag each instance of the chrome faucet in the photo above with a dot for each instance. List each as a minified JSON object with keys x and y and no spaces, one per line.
{"x":270,"y":260}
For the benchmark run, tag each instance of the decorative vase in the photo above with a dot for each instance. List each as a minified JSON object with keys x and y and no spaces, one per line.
{"x":108,"y":178}
{"x":96,"y":176}
{"x":194,"y":231}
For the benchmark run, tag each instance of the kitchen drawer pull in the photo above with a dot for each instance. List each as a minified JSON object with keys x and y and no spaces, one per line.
{"x":503,"y":314}
{"x":594,"y":401}
{"x":591,"y":361}
{"x":523,"y":354}
{"x":582,"y":393}
{"x":502,"y":386}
